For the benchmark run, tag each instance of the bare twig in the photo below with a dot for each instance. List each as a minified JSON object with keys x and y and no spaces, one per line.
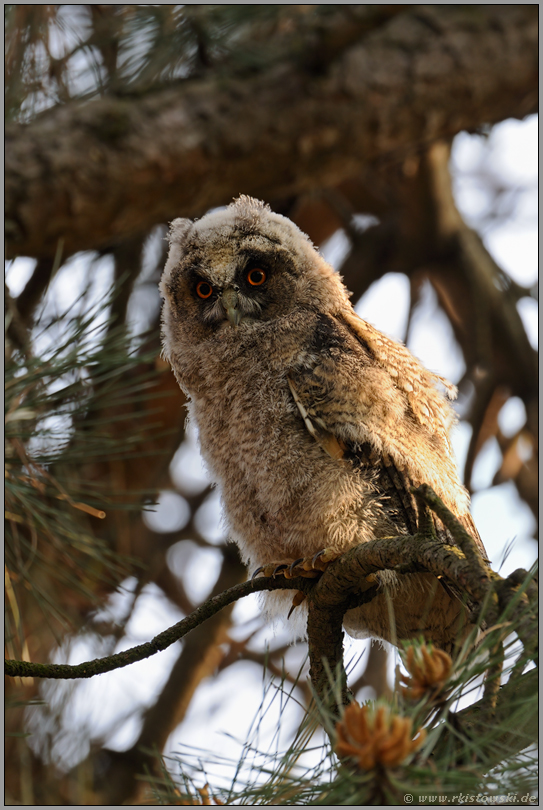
{"x":161,"y":642}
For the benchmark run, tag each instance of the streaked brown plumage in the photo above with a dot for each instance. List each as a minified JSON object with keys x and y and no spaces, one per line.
{"x":314,"y":424}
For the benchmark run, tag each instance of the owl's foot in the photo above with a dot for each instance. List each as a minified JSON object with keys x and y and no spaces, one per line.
{"x":309,"y":567}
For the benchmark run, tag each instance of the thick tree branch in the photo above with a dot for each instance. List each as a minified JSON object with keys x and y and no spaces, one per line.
{"x":428,"y":73}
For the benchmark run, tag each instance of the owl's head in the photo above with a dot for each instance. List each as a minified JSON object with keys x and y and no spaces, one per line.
{"x":239,"y":267}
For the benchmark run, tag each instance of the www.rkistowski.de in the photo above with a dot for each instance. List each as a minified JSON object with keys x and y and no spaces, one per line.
{"x":469,"y":798}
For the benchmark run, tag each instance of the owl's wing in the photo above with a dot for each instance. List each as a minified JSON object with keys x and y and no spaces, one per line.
{"x":364,"y":396}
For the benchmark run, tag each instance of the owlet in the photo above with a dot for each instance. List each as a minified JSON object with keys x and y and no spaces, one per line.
{"x":314,"y":424}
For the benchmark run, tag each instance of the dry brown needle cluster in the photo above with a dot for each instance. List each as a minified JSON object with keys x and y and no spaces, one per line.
{"x":376,"y":737}
{"x":429,"y":670}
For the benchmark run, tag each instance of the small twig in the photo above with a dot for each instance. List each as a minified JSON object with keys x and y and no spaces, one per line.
{"x":161,"y":642}
{"x":492,"y":677}
{"x":518,"y":598}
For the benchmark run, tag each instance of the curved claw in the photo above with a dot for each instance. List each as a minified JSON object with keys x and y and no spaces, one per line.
{"x":257,"y":572}
{"x":317,"y":555}
{"x":279,"y":568}
{"x":298,"y":599}
{"x":293,"y":566}
{"x":322,"y":558}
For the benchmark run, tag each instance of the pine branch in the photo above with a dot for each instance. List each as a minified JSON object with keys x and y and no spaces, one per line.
{"x":483,"y":732}
{"x":512,"y":718}
{"x":340,"y":589}
{"x":161,"y":642}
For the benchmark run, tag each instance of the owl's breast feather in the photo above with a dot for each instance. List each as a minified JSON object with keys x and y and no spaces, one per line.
{"x":283,"y":495}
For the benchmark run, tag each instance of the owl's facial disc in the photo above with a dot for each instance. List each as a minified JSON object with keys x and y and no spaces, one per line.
{"x":226,"y":307}
{"x":241,"y":286}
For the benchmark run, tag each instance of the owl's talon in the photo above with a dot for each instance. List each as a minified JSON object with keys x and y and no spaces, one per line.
{"x":316,"y":557}
{"x":307,"y":567}
{"x":290,"y":574}
{"x":322,"y":558}
{"x":299,"y":597}
{"x":279,"y":568}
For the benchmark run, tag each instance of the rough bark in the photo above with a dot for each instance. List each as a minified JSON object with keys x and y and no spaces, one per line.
{"x":93,"y":173}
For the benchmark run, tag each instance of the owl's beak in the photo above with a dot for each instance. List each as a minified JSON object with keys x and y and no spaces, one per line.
{"x":229,"y":301}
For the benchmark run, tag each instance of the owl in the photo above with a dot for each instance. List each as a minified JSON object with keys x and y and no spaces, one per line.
{"x":314,"y":424}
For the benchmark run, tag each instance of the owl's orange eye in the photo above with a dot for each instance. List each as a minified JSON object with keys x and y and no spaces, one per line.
{"x":203,"y":289}
{"x":256,"y":277}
